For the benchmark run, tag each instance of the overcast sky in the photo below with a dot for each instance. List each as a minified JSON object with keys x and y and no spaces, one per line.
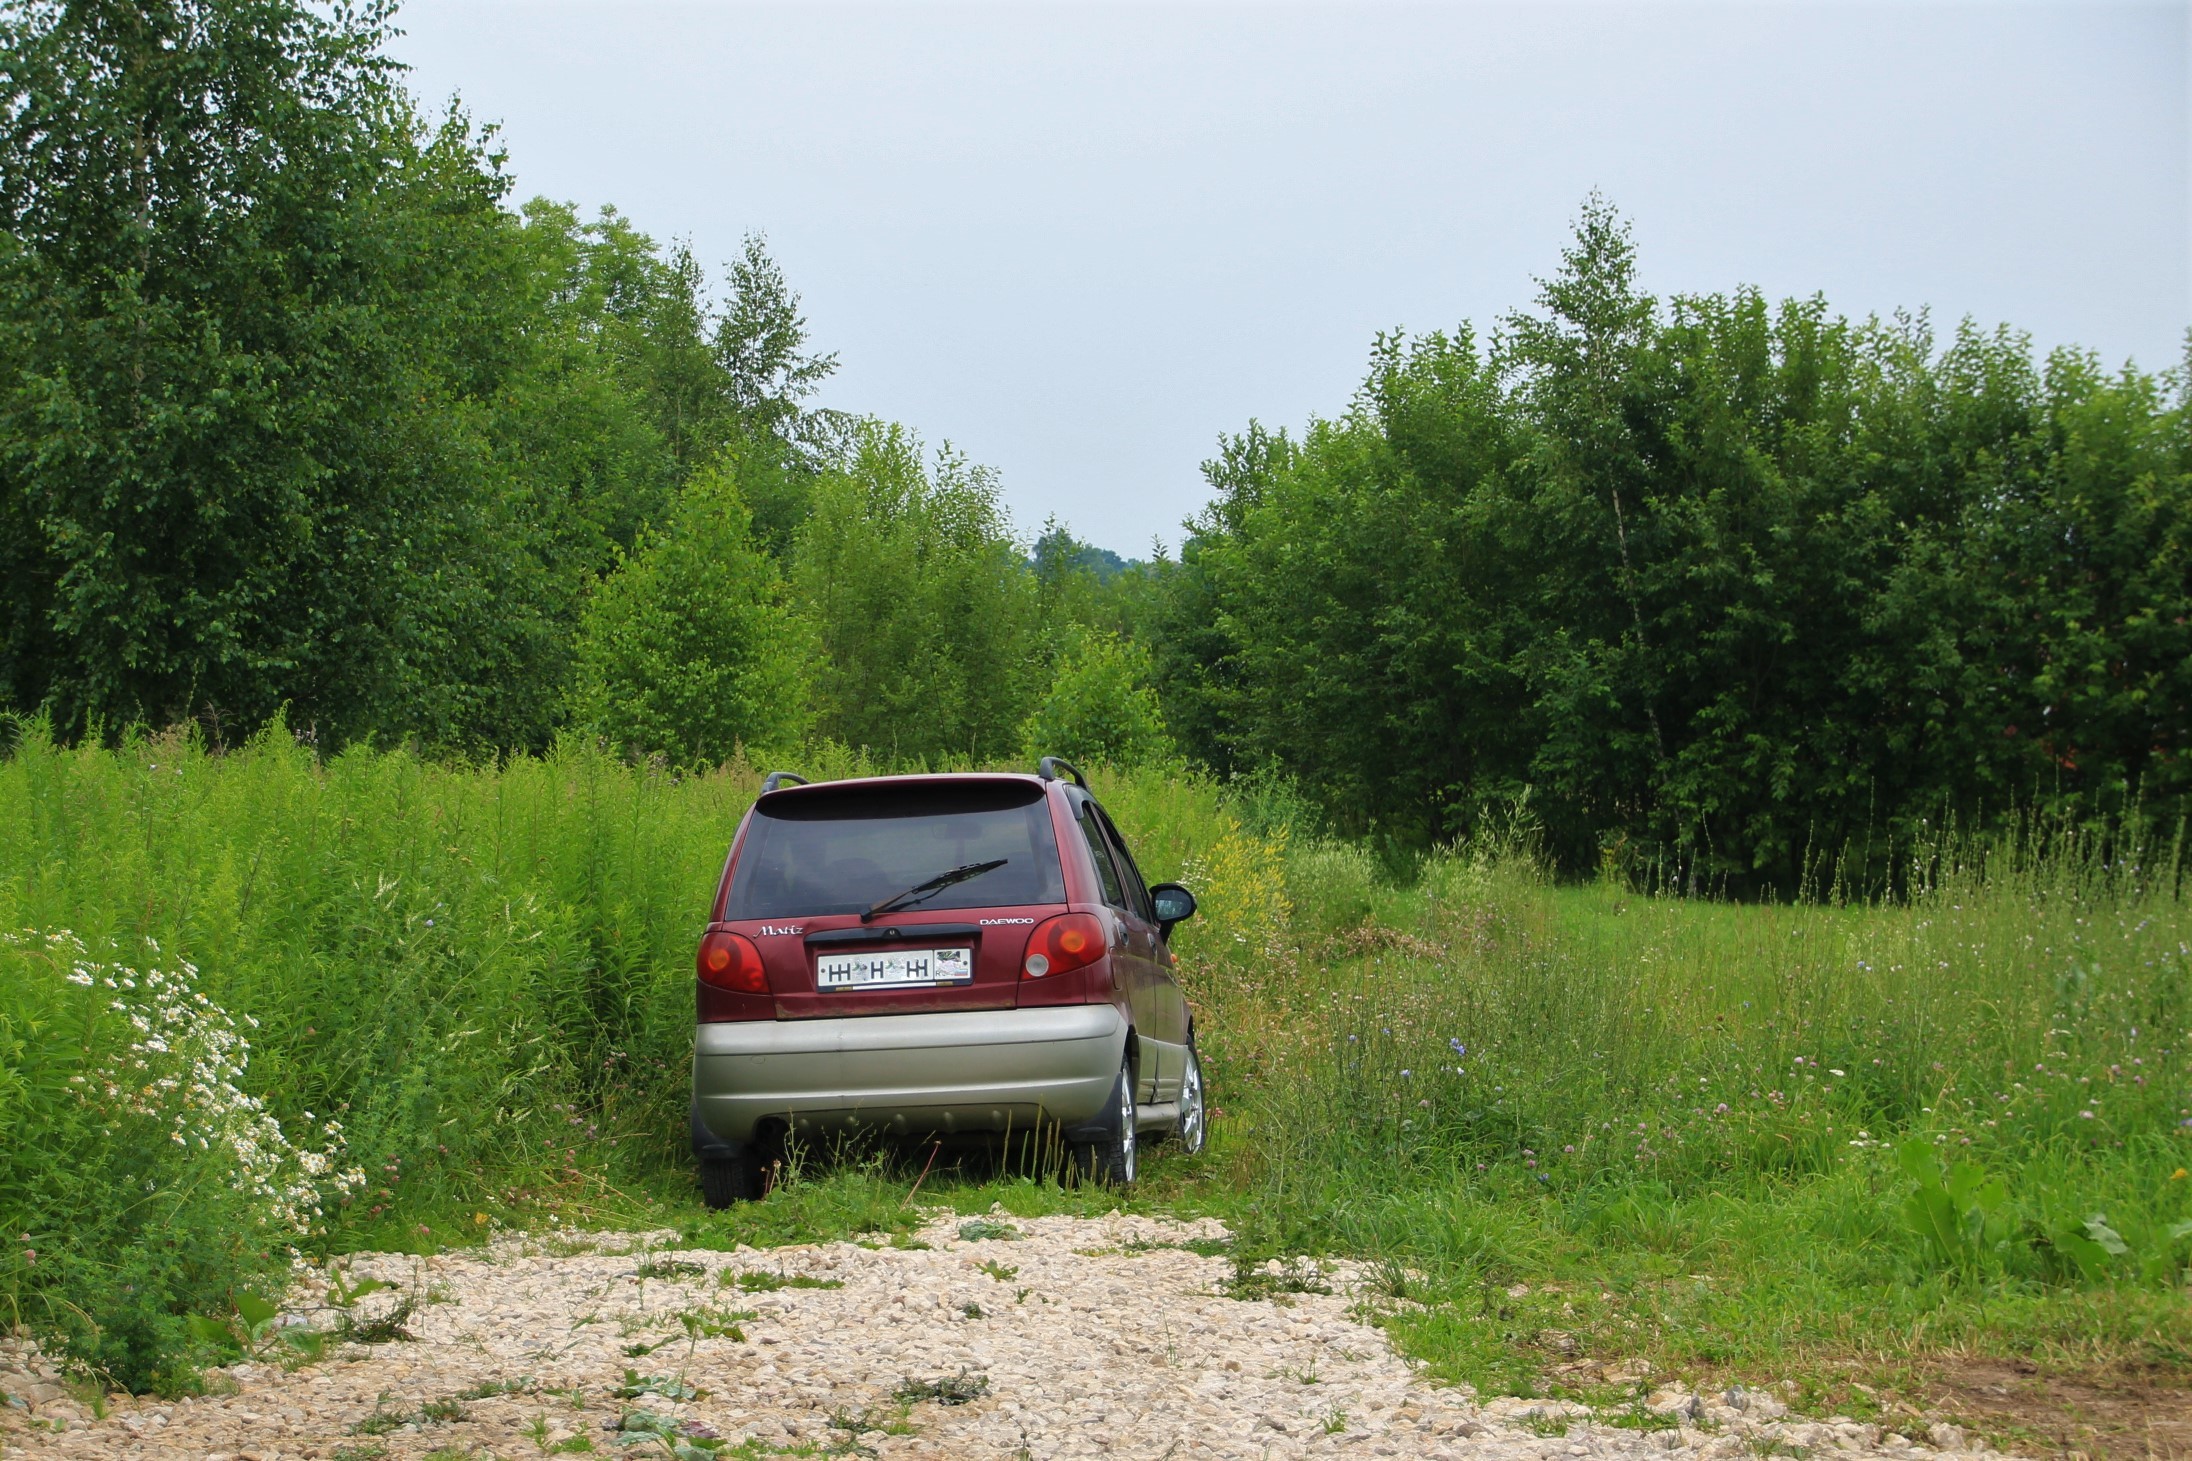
{"x":1080,"y":241}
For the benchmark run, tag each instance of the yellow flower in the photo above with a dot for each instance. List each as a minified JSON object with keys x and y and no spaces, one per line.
{"x":481,"y":1217}
{"x":2177,"y":1176}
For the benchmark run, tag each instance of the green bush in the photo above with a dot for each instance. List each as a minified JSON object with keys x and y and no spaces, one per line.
{"x":2025,"y":1016}
{"x":689,"y":651}
{"x":483,"y":973}
{"x":1100,"y":708}
{"x":1332,"y":887}
{"x":141,"y":1182}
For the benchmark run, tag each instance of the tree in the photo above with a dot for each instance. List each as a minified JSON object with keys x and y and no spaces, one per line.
{"x":1582,"y":371}
{"x":251,"y":310}
{"x":1100,"y":708}
{"x":761,"y":348}
{"x":295,"y":412}
{"x":923,"y":604}
{"x":1736,"y":589}
{"x":689,"y":651}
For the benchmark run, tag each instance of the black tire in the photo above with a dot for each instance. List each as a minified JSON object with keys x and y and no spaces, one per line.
{"x":1111,"y":1159}
{"x":727,"y":1181}
{"x":1193,"y":1127}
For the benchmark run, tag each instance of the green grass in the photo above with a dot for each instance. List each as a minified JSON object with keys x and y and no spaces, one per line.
{"x":1675,"y":1123}
{"x":1667,"y":1130}
{"x":756,"y":1282}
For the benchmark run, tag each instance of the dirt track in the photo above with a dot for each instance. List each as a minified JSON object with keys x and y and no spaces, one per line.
{"x":1079,"y":1337}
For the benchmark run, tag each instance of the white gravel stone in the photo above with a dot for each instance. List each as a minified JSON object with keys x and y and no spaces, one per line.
{"x":1108,"y":1340}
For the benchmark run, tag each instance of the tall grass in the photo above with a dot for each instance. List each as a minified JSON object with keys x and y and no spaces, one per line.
{"x":478,"y":971}
{"x":481,"y":973}
{"x":1496,"y":1077}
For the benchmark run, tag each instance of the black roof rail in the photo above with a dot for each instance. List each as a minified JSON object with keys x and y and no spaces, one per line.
{"x":1049,"y":767}
{"x":776,"y":779}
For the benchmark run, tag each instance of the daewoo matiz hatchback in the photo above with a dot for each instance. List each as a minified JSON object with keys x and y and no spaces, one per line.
{"x":939,"y":955}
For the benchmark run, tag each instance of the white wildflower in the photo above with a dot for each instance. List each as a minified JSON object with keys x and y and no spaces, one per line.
{"x":197,"y":1061}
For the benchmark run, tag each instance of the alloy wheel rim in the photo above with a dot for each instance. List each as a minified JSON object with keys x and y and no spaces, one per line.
{"x":1126,"y":1119}
{"x":1191,"y":1107}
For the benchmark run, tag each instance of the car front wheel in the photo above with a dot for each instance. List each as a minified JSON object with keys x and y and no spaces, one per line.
{"x":1110,"y":1159}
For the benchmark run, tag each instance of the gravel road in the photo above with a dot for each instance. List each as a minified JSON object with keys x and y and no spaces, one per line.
{"x":1076,"y":1337}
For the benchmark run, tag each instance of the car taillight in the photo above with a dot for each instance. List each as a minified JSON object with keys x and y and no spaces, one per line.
{"x":1062,"y":944}
{"x":730,"y":961}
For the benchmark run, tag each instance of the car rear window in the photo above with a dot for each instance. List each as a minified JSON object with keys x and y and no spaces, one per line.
{"x":843,"y":850}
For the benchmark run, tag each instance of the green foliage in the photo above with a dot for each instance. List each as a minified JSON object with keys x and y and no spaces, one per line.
{"x":295,"y":412}
{"x":302,"y":426}
{"x":1732,"y":1138}
{"x":1084,"y":586}
{"x":1731,"y":594}
{"x":387,"y":1327}
{"x":344,"y":1292}
{"x":2092,"y":1245}
{"x":1960,"y":1215}
{"x":1581,"y":1036}
{"x":1331,"y":886}
{"x":253,"y":1330}
{"x":979,"y":1230}
{"x":637,"y":1385}
{"x":956,"y":1389}
{"x":755,"y":1281}
{"x":1059,"y":557}
{"x":482,"y":974}
{"x":921,"y":602}
{"x":689,"y":650}
{"x":300,"y":420}
{"x":761,"y":350}
{"x":485,"y":971}
{"x":250,"y":310}
{"x":145,"y":1185}
{"x":1101,"y":707}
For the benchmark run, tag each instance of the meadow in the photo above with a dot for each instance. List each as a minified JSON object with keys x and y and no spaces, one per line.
{"x":258,"y":1006}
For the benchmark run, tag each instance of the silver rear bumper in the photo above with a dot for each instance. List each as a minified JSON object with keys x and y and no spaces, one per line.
{"x":984,"y":1070}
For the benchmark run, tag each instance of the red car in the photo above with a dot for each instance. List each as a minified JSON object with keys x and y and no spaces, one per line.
{"x":939,"y":955}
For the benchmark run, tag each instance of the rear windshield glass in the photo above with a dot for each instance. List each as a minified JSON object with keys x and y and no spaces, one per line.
{"x":829,"y":851}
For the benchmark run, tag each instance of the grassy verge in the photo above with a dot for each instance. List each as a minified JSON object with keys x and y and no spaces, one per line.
{"x":1586,"y":1134}
{"x":1593,"y":1135}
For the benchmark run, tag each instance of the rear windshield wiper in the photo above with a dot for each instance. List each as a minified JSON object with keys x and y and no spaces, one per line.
{"x":936,"y":884}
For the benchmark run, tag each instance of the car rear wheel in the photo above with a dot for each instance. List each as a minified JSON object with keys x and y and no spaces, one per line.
{"x":1109,"y":1161}
{"x":724,"y":1181}
{"x":1194,"y":1124}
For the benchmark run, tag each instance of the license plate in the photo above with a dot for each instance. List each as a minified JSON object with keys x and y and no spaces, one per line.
{"x":896,"y":969}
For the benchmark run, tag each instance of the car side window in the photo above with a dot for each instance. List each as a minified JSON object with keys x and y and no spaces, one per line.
{"x":1106,"y":873}
{"x":1137,"y":891}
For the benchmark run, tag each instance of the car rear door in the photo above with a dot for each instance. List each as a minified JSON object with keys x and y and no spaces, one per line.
{"x":1169,"y":1017}
{"x":1138,"y":948}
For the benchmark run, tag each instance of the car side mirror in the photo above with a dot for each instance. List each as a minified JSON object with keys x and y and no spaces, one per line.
{"x":1174,"y":904}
